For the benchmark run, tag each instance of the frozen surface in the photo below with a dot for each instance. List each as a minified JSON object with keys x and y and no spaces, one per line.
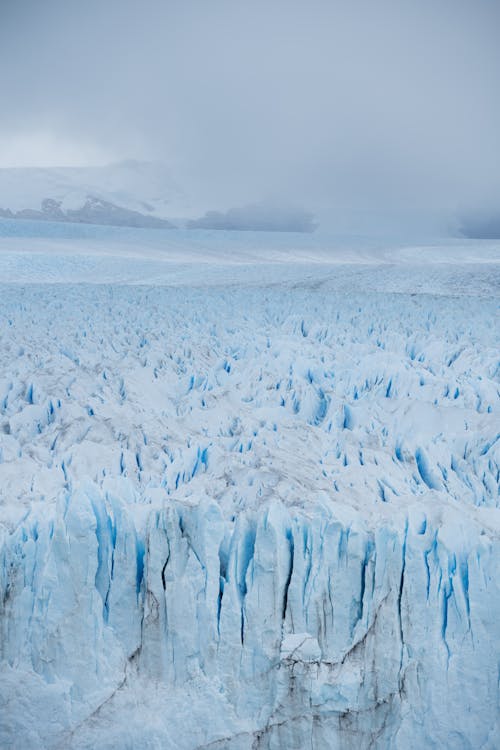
{"x":248,"y":502}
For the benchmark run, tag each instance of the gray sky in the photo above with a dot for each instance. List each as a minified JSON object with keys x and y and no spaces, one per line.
{"x":356,"y":106}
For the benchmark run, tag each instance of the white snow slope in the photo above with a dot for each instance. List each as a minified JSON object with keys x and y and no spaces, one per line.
{"x":250,"y":502}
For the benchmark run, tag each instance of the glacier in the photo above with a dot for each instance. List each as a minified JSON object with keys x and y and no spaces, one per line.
{"x":248,"y":499}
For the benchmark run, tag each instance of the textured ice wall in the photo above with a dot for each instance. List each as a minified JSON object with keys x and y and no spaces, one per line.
{"x":248,"y":518}
{"x":300,"y":629}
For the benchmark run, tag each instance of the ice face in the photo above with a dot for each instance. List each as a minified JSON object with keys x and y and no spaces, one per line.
{"x":260,"y":515}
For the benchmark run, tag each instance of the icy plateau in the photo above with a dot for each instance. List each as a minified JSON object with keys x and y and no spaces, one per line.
{"x":248,"y":499}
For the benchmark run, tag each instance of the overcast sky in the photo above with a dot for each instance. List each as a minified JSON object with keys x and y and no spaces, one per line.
{"x":371,"y":105}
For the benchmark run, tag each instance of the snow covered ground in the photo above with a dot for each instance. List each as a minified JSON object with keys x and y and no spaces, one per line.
{"x":249,"y":491}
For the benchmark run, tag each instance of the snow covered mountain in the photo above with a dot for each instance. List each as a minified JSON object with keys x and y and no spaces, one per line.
{"x":131,"y":194}
{"x":93,"y":211}
{"x":143,"y":187}
{"x":250,"y":501}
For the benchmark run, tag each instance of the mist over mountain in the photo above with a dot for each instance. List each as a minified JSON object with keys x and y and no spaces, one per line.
{"x":146,"y":187}
{"x":262,"y":216}
{"x":131,"y":193}
{"x":370,"y":115}
{"x":483,"y":226}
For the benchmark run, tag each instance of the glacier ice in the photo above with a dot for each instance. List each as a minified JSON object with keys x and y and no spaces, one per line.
{"x":256,"y":515}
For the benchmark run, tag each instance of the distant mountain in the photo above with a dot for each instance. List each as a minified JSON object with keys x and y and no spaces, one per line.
{"x":94,"y":211}
{"x":126,"y":193}
{"x":481,"y":227}
{"x":257,"y":217}
{"x":132,"y":193}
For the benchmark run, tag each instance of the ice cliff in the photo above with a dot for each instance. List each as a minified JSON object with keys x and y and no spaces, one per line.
{"x":282,"y":629}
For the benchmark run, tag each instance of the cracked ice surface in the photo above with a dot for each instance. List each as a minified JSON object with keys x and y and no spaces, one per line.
{"x":250,"y":515}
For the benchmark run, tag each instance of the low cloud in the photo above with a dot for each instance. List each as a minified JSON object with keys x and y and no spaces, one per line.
{"x":388,"y":109}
